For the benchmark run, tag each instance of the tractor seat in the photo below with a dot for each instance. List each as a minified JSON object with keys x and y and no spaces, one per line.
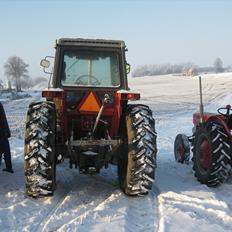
{"x":229,"y":121}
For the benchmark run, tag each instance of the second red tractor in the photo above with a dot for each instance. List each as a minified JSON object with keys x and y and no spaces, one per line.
{"x":211,"y":145}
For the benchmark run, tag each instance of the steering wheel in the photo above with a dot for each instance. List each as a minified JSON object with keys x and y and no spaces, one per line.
{"x":228,"y":110}
{"x":81,"y":80}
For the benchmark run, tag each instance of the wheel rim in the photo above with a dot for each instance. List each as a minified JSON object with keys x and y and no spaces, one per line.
{"x":180,"y":152}
{"x":205,"y":154}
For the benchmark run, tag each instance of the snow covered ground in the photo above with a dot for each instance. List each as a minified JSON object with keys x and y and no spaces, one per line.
{"x":94,"y":203}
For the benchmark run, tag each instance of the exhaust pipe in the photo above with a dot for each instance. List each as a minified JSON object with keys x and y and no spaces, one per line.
{"x":201,"y":102}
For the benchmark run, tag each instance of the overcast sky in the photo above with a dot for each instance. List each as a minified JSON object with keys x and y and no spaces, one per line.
{"x":155,"y":31}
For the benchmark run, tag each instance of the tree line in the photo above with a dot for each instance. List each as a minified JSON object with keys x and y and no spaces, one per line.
{"x":152,"y":70}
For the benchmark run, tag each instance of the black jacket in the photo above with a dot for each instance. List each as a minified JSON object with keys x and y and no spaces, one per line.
{"x":4,"y":127}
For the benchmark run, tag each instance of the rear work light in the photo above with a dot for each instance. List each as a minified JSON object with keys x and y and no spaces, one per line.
{"x":129,"y":96}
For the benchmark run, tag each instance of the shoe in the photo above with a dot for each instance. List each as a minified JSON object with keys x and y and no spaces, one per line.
{"x":8,"y":166}
{"x":8,"y":170}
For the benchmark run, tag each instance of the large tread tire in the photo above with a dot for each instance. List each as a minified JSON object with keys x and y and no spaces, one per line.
{"x":137,"y":159}
{"x":39,"y":150}
{"x":219,"y":165}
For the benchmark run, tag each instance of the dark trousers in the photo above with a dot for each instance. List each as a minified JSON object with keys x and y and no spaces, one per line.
{"x":5,"y":149}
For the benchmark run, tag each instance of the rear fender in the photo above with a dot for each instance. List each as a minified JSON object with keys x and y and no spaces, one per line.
{"x":58,"y":96}
{"x":219,"y":119}
{"x":121,"y":99}
{"x":206,"y":116}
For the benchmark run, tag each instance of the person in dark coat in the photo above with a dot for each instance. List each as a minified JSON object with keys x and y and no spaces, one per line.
{"x":4,"y":142}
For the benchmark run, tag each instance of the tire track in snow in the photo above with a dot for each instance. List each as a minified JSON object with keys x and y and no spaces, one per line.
{"x":122,"y":212}
{"x":210,"y":210}
{"x":64,"y":194}
{"x":208,"y":87}
{"x":143,"y":213}
{"x":95,"y":201}
{"x":45,"y":220}
{"x":83,"y":196}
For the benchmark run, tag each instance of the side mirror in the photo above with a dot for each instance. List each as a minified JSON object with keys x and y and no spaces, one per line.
{"x":127,"y":68}
{"x":45,"y":63}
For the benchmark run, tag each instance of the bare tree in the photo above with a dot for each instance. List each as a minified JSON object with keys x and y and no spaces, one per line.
{"x":15,"y":69}
{"x":218,"y":65}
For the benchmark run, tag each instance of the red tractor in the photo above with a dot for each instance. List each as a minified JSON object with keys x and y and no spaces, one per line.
{"x":210,"y":144}
{"x":86,"y":118}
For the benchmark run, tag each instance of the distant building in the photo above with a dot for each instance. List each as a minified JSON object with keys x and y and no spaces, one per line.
{"x":192,"y":71}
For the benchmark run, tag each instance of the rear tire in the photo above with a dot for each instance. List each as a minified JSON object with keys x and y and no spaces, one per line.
{"x":39,"y":150}
{"x":182,"y":149}
{"x":211,"y":155}
{"x":137,"y":159}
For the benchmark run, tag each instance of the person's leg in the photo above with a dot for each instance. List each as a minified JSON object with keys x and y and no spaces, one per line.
{"x":0,"y":158}
{"x":1,"y":152}
{"x":7,"y":155}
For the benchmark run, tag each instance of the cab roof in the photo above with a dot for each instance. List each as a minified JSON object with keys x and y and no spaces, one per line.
{"x":90,"y":42}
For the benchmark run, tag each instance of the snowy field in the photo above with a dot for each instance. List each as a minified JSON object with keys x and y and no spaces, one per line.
{"x":94,"y":203}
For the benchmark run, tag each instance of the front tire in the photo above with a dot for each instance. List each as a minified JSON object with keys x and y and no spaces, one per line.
{"x":182,"y":149}
{"x":137,"y":159}
{"x":211,"y":155}
{"x":39,"y":150}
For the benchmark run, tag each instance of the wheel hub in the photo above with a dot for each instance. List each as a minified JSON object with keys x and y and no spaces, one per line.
{"x":205,"y":154}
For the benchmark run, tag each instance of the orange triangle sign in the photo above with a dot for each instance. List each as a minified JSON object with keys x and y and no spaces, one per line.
{"x":90,"y":104}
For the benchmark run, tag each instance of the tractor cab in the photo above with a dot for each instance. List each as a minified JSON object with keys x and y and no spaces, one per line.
{"x":85,"y":63}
